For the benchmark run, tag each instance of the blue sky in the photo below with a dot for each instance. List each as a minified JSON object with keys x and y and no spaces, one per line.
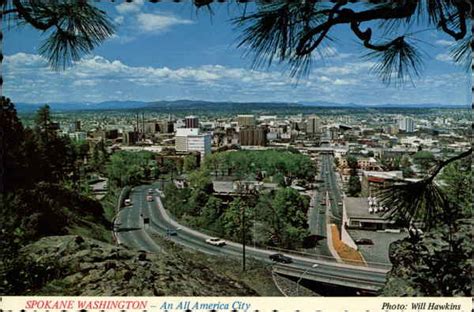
{"x":170,"y":51}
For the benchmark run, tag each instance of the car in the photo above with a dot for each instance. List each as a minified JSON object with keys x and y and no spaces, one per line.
{"x":149,"y":198}
{"x":150,"y":191}
{"x":339,"y":203}
{"x":278,"y":257}
{"x":171,"y":232}
{"x":364,"y":241}
{"x":127,"y":202}
{"x":215,"y":241}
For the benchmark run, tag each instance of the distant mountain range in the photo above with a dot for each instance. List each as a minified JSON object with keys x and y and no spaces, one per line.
{"x":208,"y":105}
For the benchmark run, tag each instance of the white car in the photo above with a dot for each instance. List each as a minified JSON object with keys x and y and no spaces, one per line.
{"x":215,"y":241}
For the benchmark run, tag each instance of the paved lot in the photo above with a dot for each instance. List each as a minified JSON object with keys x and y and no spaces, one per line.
{"x":378,"y":252}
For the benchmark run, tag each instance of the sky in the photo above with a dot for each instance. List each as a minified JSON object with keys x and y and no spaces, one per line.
{"x":171,"y":51}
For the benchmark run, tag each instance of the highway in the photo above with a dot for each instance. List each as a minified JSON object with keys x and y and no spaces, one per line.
{"x":133,"y":233}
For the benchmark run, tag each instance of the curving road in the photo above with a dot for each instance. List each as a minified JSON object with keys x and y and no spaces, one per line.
{"x":133,"y":233}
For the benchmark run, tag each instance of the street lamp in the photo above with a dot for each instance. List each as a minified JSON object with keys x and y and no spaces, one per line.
{"x":301,"y":277}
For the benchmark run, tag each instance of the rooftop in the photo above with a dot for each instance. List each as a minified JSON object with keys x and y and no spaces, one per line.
{"x":358,"y":207}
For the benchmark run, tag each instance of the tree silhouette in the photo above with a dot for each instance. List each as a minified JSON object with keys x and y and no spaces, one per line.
{"x":12,"y":157}
{"x":291,"y":31}
{"x":75,"y":27}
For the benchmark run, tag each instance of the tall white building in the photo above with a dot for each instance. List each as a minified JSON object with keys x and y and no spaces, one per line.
{"x":190,"y":140}
{"x":406,"y":124}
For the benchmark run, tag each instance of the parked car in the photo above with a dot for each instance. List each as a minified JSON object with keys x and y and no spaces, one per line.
{"x":278,"y":257}
{"x":364,"y":241}
{"x":215,"y":241}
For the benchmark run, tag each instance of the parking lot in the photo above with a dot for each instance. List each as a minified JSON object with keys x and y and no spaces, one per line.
{"x":378,"y":252}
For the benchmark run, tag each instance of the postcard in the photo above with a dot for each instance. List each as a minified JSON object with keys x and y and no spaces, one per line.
{"x":236,"y":155}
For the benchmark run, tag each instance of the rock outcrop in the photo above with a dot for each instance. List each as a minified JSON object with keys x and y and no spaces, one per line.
{"x":80,"y":266}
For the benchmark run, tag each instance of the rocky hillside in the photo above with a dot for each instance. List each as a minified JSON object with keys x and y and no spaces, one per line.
{"x":77,"y":266}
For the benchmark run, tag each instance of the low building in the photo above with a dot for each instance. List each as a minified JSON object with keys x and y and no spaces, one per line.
{"x":363,"y":213}
{"x":78,"y":136}
{"x":372,"y":181}
{"x":363,"y":163}
{"x":111,"y":134}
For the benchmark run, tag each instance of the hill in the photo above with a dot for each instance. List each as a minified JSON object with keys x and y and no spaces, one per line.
{"x":209,"y":106}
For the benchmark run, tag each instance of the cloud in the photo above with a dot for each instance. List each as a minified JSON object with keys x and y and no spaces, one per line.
{"x":119,"y":20}
{"x":130,"y":7}
{"x":148,"y":22}
{"x":24,"y":59}
{"x":95,"y":78}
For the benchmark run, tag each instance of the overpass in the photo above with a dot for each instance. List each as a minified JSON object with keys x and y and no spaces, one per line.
{"x":372,"y":283}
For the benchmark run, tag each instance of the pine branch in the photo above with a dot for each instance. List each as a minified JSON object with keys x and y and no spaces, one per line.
{"x":348,"y":16}
{"x":443,"y":164}
{"x":443,"y":23}
{"x":10,"y":11}
{"x":324,"y":32}
{"x":25,"y":14}
{"x":366,"y":35}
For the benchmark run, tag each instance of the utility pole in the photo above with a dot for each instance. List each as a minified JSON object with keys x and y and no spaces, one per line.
{"x":243,"y":237}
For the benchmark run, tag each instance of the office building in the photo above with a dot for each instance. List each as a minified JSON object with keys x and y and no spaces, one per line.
{"x":130,"y":137}
{"x":246,"y":120}
{"x":313,"y":125}
{"x":165,"y":126}
{"x":75,"y":126}
{"x":191,"y":140}
{"x":191,"y":122}
{"x":253,"y":136}
{"x":151,"y":127}
{"x":406,"y":124}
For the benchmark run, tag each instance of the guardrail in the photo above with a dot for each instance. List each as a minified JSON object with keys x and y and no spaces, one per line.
{"x":379,"y":265}
{"x":321,"y":277}
{"x":117,"y":210}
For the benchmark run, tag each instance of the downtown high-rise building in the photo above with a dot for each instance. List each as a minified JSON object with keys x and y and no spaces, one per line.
{"x":406,"y":124}
{"x":253,"y":136}
{"x":191,"y":122}
{"x":313,"y":125}
{"x":246,"y":120}
{"x":191,"y":140}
